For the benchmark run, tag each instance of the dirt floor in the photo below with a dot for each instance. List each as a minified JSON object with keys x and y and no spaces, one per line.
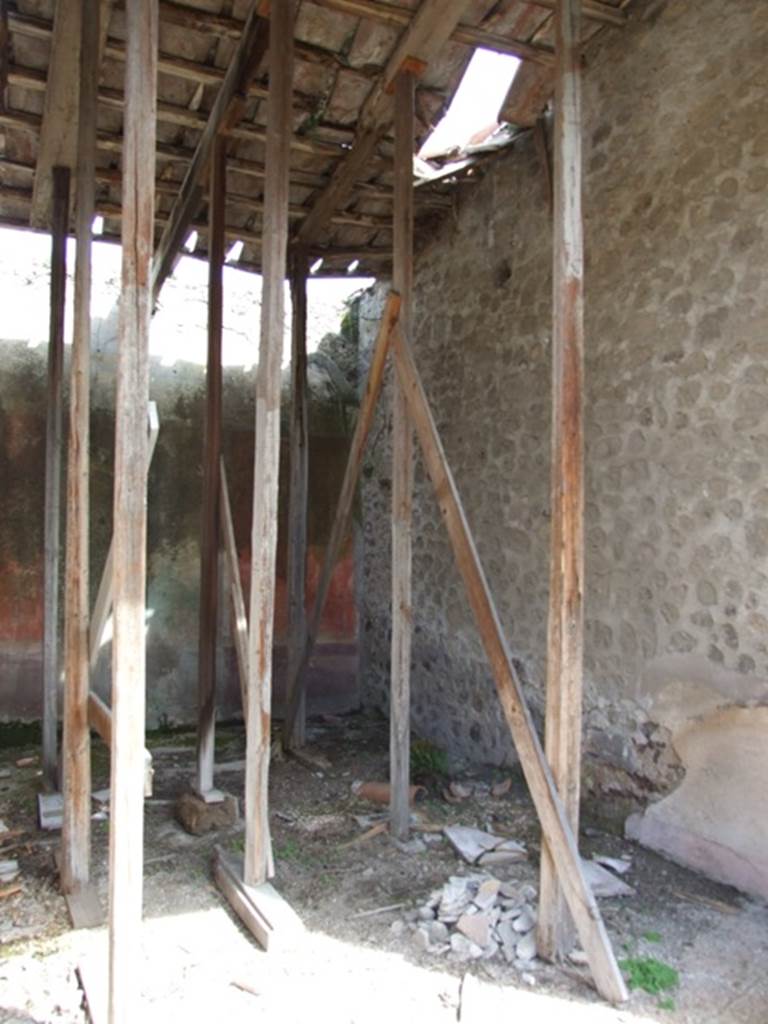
{"x":362,"y":959}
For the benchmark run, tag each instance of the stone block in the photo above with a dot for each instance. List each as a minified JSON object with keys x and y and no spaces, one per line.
{"x":199,"y":817}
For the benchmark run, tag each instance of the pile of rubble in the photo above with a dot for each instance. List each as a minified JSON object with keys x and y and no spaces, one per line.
{"x":479,"y":916}
{"x":476,"y":916}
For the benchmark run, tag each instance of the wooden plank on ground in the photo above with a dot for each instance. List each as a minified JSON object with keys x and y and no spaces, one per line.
{"x":565,"y":634}
{"x":402,"y":473}
{"x":549,"y":807}
{"x":267,"y":916}
{"x":267,"y":445}
{"x":209,"y":539}
{"x":84,"y":906}
{"x":126,"y":836}
{"x":343,"y":513}
{"x":76,"y":748}
{"x":298,"y":443}
{"x":59,"y":229}
{"x":227,"y":109}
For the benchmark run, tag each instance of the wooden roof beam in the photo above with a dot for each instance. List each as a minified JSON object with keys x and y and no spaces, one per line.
{"x":226,"y":111}
{"x":400,"y":17}
{"x":58,"y":135}
{"x":112,"y":143}
{"x":429,"y":29}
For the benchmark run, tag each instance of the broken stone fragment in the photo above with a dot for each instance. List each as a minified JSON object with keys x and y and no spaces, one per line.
{"x":619,"y":866}
{"x":498,"y":858}
{"x":524,"y":921}
{"x":438,"y":933}
{"x":508,"y":938}
{"x":464,"y":948}
{"x":9,"y":870}
{"x":526,"y":947}
{"x":472,"y":844}
{"x":602,"y":882}
{"x":476,"y":927}
{"x":455,"y":898}
{"x":487,"y":894}
{"x":414,"y":845}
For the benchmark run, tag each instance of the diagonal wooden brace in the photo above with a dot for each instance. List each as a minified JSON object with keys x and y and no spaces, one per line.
{"x":549,"y":807}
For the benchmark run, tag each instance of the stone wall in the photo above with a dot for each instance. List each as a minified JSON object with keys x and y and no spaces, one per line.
{"x":676,"y":211}
{"x":178,"y":344}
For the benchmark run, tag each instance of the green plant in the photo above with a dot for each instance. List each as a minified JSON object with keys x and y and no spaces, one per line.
{"x":649,"y":974}
{"x":428,"y":762}
{"x":652,"y":936}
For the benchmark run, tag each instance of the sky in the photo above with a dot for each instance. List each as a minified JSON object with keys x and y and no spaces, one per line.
{"x":477,"y":101}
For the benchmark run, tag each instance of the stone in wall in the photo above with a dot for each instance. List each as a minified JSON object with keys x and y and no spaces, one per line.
{"x":676,"y":226}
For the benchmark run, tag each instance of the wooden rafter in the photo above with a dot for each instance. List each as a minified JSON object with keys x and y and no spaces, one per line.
{"x":226,"y":111}
{"x":58,"y":135}
{"x":426,"y":33}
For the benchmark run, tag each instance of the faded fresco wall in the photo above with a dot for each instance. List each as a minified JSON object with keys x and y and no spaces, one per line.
{"x":676,"y":661}
{"x":177,"y":385}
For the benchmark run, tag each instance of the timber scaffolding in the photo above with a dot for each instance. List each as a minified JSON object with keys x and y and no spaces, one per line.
{"x":298,"y":121}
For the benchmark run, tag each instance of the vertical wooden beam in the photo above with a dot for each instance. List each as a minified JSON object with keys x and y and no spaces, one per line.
{"x":76,"y":744}
{"x":126,"y":836}
{"x":402,"y":471}
{"x":5,"y":38}
{"x":209,"y":541}
{"x":566,"y":617}
{"x":59,"y":227}
{"x":267,"y":452}
{"x":297,"y":508}
{"x":341,"y":520}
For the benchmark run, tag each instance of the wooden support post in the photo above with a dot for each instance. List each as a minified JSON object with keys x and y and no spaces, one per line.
{"x":126,"y":836}
{"x":209,"y":541}
{"x":554,"y":821}
{"x":76,"y":744}
{"x":267,"y":454}
{"x":297,"y":507}
{"x":566,"y":577}
{"x":402,"y":473}
{"x":59,"y":227}
{"x":343,"y":514}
